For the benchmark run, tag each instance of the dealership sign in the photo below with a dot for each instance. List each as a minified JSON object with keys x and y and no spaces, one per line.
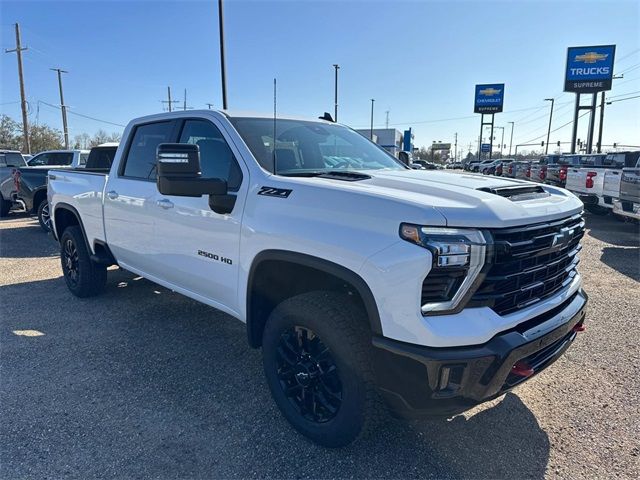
{"x":589,"y":69}
{"x":440,"y":146}
{"x":489,"y":98}
{"x":485,"y":147}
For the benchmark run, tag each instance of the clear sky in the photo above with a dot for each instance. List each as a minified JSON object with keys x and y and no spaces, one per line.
{"x":419,"y":60}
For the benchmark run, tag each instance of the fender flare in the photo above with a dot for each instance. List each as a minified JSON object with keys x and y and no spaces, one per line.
{"x":72,"y":209}
{"x":326,"y":266}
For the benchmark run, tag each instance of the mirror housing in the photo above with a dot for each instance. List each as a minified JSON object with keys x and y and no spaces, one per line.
{"x":178,"y":166}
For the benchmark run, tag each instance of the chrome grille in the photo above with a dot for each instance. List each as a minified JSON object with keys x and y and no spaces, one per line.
{"x":530,"y":263}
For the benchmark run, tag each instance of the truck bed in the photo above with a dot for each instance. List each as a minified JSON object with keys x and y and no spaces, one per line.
{"x":83,"y":190}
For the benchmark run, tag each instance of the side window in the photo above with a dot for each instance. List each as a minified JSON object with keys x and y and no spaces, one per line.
{"x":141,"y":157}
{"x":216,"y":158}
{"x":39,"y":160}
{"x":14,"y":160}
{"x":60,"y":158}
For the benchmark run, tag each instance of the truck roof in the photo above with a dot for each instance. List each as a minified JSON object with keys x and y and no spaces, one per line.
{"x":226,"y":113}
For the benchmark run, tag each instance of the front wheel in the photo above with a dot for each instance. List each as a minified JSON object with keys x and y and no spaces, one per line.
{"x":43,"y":216}
{"x":84,"y":277}
{"x":317,"y":360}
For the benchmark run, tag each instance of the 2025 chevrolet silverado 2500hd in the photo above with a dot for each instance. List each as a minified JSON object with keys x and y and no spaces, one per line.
{"x":367,"y":284}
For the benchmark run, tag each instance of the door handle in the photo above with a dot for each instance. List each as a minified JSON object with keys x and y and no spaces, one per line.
{"x":112,"y":195}
{"x":164,"y":203}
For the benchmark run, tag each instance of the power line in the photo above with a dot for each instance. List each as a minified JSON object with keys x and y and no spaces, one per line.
{"x":623,"y":94}
{"x":556,"y":129}
{"x":623,"y":99}
{"x":83,"y":115}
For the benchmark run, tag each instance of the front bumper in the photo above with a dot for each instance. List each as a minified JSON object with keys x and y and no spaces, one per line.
{"x":417,"y":380}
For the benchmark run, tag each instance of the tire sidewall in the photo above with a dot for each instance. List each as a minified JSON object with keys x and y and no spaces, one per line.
{"x":83,"y":286}
{"x":44,"y":226}
{"x":346,"y":425}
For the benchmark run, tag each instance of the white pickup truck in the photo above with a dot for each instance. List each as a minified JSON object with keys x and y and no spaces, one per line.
{"x":367,"y":284}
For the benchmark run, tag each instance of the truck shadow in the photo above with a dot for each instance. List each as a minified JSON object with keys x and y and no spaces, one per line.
{"x":625,"y":260}
{"x":609,"y":230}
{"x":25,"y":239}
{"x":147,"y":383}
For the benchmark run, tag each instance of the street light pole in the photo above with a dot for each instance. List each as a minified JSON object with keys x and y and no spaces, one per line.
{"x":63,"y":107}
{"x":371,"y":131}
{"x":222,"y":63}
{"x":546,"y":147}
{"x":511,"y":141}
{"x":502,"y":139}
{"x":335,"y":90}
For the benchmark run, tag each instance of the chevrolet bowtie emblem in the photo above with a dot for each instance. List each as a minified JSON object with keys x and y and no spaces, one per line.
{"x":489,"y":92}
{"x":591,"y":57}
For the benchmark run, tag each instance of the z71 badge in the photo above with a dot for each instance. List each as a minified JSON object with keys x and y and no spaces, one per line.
{"x":274,"y":192}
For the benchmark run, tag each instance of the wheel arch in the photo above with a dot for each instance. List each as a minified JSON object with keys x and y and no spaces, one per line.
{"x":39,"y":195}
{"x":279,"y":274}
{"x":65,"y":215}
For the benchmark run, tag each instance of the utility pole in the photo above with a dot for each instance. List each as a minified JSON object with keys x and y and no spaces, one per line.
{"x":615,"y":77}
{"x":386,"y":122}
{"x":222,"y":64}
{"x":335,"y":93}
{"x":23,"y":101}
{"x":169,"y":102}
{"x":63,"y":107}
{"x":546,"y":146}
{"x":511,"y":141}
{"x":455,"y":148}
{"x":371,"y":131}
{"x":184,"y":105}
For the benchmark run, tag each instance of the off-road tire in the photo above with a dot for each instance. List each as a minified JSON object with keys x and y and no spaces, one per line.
{"x":343,"y":329}
{"x":43,"y":216}
{"x":84,"y":277}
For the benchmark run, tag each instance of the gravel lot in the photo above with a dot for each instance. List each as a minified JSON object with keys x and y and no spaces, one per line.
{"x":144,"y":383}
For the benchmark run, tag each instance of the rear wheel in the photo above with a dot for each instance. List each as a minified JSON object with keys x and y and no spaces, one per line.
{"x":317,"y":359}
{"x":43,"y":216}
{"x":84,"y":277}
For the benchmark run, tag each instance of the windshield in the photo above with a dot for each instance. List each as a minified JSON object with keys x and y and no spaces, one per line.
{"x":304,"y":147}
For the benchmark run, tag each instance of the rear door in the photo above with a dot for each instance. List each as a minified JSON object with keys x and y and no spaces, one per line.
{"x":200,"y":247}
{"x":130,"y":199}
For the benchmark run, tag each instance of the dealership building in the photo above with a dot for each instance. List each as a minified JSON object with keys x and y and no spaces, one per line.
{"x":392,"y":140}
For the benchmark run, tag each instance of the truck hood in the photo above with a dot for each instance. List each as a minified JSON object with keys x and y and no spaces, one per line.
{"x":467,"y":200}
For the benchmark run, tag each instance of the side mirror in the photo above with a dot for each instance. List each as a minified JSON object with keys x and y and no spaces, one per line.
{"x":178,"y":166}
{"x":404,"y":157}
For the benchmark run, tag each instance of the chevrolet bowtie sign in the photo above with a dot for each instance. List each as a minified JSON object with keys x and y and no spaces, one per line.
{"x":489,"y":98}
{"x":589,"y":69}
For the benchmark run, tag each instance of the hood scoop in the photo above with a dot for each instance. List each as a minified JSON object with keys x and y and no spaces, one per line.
{"x":518,"y":193}
{"x":347,"y":175}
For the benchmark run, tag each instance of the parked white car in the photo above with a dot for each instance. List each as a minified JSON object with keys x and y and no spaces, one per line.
{"x":60,"y":158}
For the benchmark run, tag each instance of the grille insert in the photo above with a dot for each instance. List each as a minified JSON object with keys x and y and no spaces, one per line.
{"x":530,"y":264}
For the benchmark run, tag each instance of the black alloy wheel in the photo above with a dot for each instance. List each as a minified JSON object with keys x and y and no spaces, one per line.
{"x":308,"y":375}
{"x":71,"y":262}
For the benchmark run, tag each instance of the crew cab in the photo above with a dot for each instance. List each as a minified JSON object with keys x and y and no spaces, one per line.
{"x":26,"y":185}
{"x":60,"y":158}
{"x":366,"y":284}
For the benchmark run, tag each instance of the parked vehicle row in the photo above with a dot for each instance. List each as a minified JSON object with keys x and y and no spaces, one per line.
{"x":23,"y":184}
{"x":604,"y":182}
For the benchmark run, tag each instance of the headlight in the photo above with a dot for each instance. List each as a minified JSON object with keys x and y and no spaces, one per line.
{"x":458,"y":257}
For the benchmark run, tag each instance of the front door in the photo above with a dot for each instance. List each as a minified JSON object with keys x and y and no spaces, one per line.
{"x":199,"y":247}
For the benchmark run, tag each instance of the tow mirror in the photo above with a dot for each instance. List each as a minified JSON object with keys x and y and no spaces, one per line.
{"x":178,"y":166}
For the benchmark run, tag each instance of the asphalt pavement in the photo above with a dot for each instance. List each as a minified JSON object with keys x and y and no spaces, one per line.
{"x":141,"y":382}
